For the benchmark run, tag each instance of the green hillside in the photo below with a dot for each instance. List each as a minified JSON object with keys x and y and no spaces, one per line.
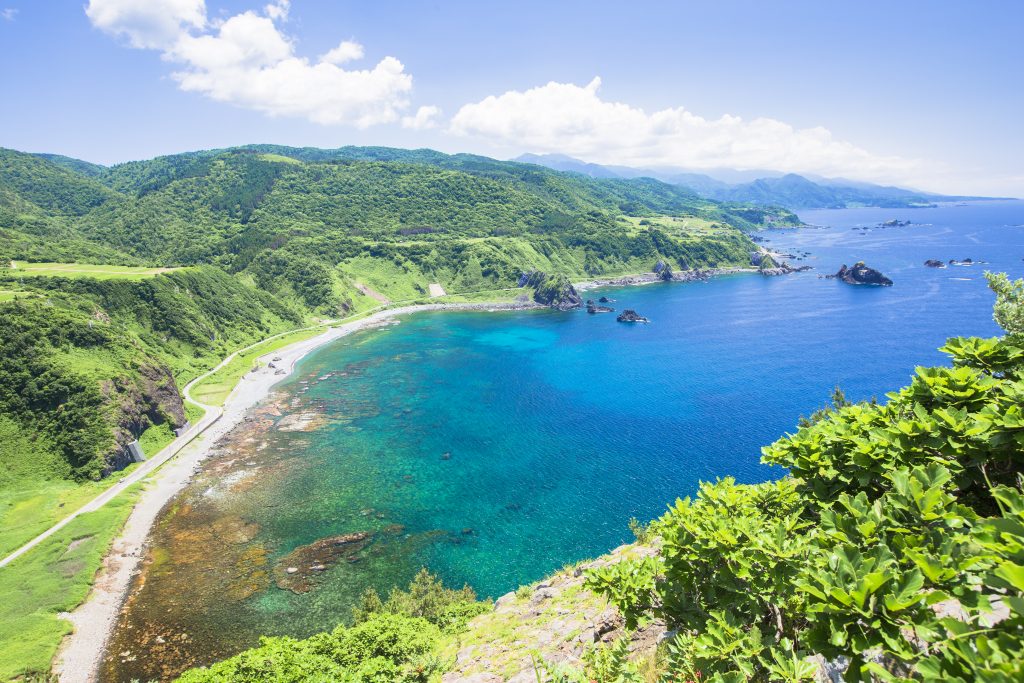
{"x":307,"y":224}
{"x":269,"y":236}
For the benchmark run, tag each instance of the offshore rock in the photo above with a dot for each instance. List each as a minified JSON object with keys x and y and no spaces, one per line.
{"x":932,"y":263}
{"x":631,"y":316}
{"x":861,"y":274}
{"x":594,"y":308}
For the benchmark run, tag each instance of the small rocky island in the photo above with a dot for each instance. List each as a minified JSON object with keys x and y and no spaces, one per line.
{"x":631,"y":316}
{"x":861,"y":274}
{"x":932,"y":263}
{"x":596,"y":308}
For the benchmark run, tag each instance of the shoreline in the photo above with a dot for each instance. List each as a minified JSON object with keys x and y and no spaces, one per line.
{"x":651,"y":278}
{"x":79,"y":657}
{"x":81,"y":652}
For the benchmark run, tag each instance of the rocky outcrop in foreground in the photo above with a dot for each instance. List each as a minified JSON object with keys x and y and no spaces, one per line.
{"x":558,"y":619}
{"x":861,"y":274}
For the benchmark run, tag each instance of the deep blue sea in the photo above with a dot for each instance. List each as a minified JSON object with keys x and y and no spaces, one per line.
{"x":494,"y":448}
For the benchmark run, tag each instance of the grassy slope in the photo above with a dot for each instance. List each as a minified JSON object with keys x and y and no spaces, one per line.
{"x":53,"y":578}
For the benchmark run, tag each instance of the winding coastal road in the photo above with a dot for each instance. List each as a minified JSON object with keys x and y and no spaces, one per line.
{"x":211,"y":415}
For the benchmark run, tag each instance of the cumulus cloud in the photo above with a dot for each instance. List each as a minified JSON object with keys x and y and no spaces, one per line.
{"x":147,"y":24}
{"x":248,"y":61}
{"x":347,"y":51}
{"x":575,"y":120}
{"x":425,"y":117}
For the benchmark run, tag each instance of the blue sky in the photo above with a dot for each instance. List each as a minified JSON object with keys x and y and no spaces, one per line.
{"x":927,"y":94}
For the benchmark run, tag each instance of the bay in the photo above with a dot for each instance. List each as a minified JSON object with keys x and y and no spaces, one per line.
{"x":494,"y":448}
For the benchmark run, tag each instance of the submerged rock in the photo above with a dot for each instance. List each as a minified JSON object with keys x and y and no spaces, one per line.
{"x":861,"y":274}
{"x":631,"y":316}
{"x":605,"y":300}
{"x":297,"y":571}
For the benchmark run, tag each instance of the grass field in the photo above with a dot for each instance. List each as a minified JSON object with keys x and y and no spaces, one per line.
{"x":25,"y":269}
{"x":10,"y":295}
{"x":215,"y":389}
{"x":678,"y":226}
{"x":280,"y":159}
{"x":31,"y":509}
{"x":53,"y":578}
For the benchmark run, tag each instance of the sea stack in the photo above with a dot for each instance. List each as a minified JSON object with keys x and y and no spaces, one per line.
{"x":861,"y":274}
{"x":631,"y":316}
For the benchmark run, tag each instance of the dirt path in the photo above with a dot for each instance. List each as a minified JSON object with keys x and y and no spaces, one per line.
{"x":372,"y":293}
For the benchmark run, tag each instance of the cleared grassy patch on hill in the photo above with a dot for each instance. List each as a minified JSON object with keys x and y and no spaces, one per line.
{"x":676,"y":226}
{"x":100,"y":272}
{"x":11,"y":295}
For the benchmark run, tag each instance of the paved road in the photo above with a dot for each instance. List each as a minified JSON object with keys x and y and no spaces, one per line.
{"x":212,"y":414}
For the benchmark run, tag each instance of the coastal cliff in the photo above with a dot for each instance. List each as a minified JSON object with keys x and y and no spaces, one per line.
{"x":555,"y":291}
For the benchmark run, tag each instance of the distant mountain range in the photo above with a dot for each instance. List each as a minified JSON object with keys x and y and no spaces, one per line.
{"x":789,"y":190}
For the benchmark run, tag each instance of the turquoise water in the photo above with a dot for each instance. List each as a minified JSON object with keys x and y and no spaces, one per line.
{"x":508,"y":444}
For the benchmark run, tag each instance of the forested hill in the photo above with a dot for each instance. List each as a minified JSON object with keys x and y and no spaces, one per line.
{"x":270,"y":237}
{"x":223,"y":206}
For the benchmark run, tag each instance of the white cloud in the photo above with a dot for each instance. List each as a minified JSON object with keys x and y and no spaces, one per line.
{"x":425,"y":117}
{"x":347,"y":51}
{"x":246,"y":60}
{"x":278,"y":10}
{"x":8,"y":13}
{"x":567,"y":118}
{"x":153,"y":24}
